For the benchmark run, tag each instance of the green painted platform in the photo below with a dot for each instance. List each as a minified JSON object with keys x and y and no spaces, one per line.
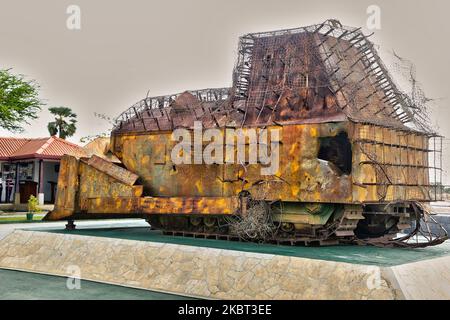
{"x":17,"y":285}
{"x":383,"y":257}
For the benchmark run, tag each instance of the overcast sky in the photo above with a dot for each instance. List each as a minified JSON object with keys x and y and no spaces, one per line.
{"x":125,"y":48}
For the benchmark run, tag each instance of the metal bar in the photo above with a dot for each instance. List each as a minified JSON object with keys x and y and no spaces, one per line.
{"x":440,"y":170}
{"x":435,"y":173}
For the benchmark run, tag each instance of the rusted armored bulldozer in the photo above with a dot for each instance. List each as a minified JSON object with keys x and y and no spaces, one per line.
{"x":353,"y":152}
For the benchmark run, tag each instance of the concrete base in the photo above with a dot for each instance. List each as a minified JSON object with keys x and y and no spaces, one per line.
{"x":217,"y":273}
{"x":6,"y":207}
{"x":442,"y":219}
{"x":16,"y":198}
{"x":22,"y":207}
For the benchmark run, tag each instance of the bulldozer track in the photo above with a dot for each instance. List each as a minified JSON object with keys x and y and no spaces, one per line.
{"x":293,"y":241}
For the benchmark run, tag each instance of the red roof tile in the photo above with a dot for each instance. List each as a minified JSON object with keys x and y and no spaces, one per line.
{"x":10,"y":145}
{"x":41,"y":148}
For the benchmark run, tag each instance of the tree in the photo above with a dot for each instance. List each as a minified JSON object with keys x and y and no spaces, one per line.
{"x":64,"y":124}
{"x":19,"y":101}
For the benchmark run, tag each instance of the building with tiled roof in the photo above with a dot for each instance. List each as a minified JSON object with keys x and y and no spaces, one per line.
{"x":30,"y":167}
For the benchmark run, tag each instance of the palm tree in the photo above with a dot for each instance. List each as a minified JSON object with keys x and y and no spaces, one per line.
{"x":64,"y":124}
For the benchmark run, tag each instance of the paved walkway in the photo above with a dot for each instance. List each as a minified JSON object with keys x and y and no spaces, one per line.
{"x":16,"y":285}
{"x":441,"y":207}
{"x":24,"y":285}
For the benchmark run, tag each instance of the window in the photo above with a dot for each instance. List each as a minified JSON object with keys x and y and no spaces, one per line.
{"x":338,"y":151}
{"x":26,"y":170}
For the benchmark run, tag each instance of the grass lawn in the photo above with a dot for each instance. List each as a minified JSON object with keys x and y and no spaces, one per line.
{"x":21,"y":219}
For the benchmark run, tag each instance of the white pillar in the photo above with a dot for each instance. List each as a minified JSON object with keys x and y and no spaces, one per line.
{"x":41,"y":199}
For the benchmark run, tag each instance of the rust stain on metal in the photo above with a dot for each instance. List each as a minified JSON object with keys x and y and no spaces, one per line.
{"x":113,"y":170}
{"x":350,"y":143}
